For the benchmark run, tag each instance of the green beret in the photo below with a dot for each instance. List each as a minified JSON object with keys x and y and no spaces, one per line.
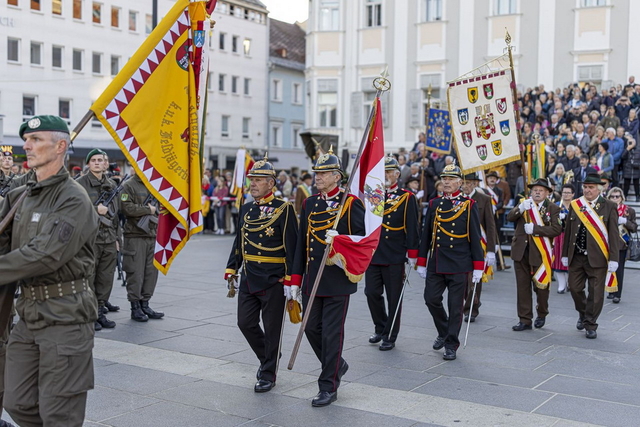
{"x":43,"y":123}
{"x":93,"y":153}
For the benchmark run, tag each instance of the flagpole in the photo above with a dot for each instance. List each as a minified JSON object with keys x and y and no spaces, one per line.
{"x":426,"y":131}
{"x":514,"y":94}
{"x":381,"y":84}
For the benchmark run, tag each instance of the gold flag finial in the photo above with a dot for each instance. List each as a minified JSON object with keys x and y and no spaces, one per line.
{"x":429,"y":90}
{"x":385,"y":72}
{"x":507,"y":37}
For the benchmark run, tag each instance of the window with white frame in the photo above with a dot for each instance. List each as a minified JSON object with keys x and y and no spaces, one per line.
{"x":64,"y":110}
{"x":234,"y":44}
{"x":276,"y":134}
{"x":329,"y":15}
{"x":77,"y":59}
{"x":115,"y":17}
{"x":296,"y":93}
{"x":246,"y":128}
{"x":28,"y":107}
{"x":295,"y":135}
{"x":133,"y":20}
{"x":373,"y":13}
{"x":13,"y":50}
{"x":221,"y":82}
{"x":96,"y":13}
{"x":35,"y":5}
{"x":115,"y":65}
{"x":327,"y":102}
{"x":221,"y":40}
{"x":247,"y":86}
{"x":12,"y":2}
{"x":246,"y":45}
{"x":591,"y":3}
{"x":234,"y":84}
{"x":36,"y":53}
{"x":77,"y":9}
{"x":148,"y":23}
{"x":590,"y":73}
{"x":505,"y":7}
{"x":96,"y":63}
{"x":224,"y":127}
{"x":435,"y":81}
{"x":276,"y":90}
{"x":56,"y":56}
{"x":433,"y":10}
{"x":56,"y":7}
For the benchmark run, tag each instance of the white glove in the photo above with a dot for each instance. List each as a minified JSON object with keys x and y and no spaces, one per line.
{"x":490,"y":258}
{"x":565,"y":261}
{"x":330,"y":235}
{"x":412,"y":262}
{"x":528,"y":228}
{"x":477,"y":276}
{"x":497,"y":248}
{"x":613,"y":267}
{"x":295,"y":292}
{"x":287,"y":292}
{"x":420,"y":194}
{"x":622,"y":220}
{"x":563,"y":215}
{"x":422,"y":272}
{"x":525,"y":205}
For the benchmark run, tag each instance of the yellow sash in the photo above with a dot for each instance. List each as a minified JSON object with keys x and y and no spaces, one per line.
{"x":596,"y":228}
{"x":542,"y":277}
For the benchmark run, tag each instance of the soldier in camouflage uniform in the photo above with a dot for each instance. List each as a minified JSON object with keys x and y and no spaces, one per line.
{"x":48,"y":250}
{"x":95,"y":182}
{"x":138,"y":250}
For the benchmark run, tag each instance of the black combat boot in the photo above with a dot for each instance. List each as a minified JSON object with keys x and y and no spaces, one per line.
{"x":111,"y":307}
{"x":104,"y":322}
{"x":150,"y":312}
{"x":136,"y":312}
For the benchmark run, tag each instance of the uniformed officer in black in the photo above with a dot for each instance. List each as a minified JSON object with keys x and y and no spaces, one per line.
{"x":265,"y":243}
{"x":325,"y":327}
{"x":399,"y":240}
{"x":451,"y":245}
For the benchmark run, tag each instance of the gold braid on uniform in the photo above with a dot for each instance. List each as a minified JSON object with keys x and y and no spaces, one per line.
{"x":261,"y":224}
{"x":325,"y":223}
{"x":459,"y":210}
{"x":394,"y":207}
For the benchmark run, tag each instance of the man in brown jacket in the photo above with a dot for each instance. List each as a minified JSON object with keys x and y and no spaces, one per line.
{"x":590,"y":256}
{"x":537,"y":222}
{"x":489,"y":235}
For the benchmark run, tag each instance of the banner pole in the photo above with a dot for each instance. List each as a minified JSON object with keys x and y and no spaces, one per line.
{"x":516,"y":108}
{"x":382,"y":85}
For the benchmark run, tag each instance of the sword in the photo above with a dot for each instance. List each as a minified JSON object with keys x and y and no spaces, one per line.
{"x":284,"y":317}
{"x":404,"y":285}
{"x":473,"y":298}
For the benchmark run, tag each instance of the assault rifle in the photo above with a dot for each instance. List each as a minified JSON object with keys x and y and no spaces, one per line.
{"x":144,"y":222}
{"x":7,"y":185}
{"x":105,"y":199}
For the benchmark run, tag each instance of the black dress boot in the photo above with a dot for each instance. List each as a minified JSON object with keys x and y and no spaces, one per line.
{"x":136,"y":312}
{"x":104,"y":322}
{"x":111,"y":307}
{"x":150,"y":312}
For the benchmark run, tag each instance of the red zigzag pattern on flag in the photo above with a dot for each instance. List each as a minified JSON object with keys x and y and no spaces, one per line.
{"x":165,"y":245}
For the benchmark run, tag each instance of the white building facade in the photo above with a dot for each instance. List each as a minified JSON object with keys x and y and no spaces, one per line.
{"x":430,"y":42}
{"x":59,"y":55}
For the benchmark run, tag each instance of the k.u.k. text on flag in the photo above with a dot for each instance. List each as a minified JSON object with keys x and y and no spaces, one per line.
{"x":483,"y":120}
{"x":438,"y":131}
{"x":154,"y":110}
{"x":353,"y":253}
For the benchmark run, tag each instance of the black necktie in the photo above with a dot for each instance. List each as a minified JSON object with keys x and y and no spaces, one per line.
{"x":583,"y":174}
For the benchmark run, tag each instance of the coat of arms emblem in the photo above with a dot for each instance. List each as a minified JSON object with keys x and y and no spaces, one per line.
{"x":485,"y":126}
{"x":488,"y":90}
{"x":472,"y":94}
{"x":463,"y":116}
{"x":496,"y":146}
{"x":467,"y":139}
{"x":482,"y":151}
{"x":501,"y":105}
{"x":504,"y":127}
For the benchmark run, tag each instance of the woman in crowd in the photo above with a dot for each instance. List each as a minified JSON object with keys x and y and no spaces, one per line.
{"x":604,"y":159}
{"x":631,"y":170}
{"x":220,"y":205}
{"x":560,"y":270}
{"x":557,"y":177}
{"x":631,"y":124}
{"x":626,"y":225}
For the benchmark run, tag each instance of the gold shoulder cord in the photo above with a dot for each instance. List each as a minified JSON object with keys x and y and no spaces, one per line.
{"x":261,"y":226}
{"x":460,"y":209}
{"x":394,"y":208}
{"x":327,"y":223}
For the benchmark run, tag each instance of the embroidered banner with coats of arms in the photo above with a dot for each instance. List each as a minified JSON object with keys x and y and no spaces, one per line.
{"x":483,"y":121}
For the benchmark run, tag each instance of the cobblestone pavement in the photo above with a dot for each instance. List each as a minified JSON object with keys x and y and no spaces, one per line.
{"x":194,"y":368}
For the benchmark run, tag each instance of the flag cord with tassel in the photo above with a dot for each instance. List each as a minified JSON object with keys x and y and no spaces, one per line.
{"x":381,"y":84}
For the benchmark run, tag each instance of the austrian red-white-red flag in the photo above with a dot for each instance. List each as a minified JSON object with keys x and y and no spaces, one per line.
{"x":354,"y":253}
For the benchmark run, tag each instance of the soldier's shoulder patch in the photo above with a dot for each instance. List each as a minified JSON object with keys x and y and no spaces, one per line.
{"x":124,"y":197}
{"x":66,"y":230}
